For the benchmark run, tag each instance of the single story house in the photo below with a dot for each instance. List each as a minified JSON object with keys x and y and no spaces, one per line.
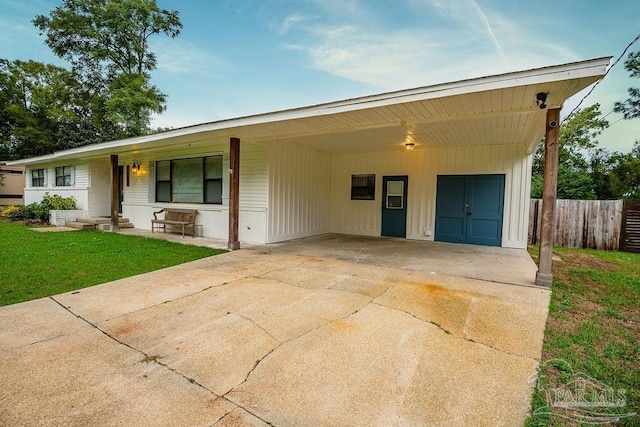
{"x":449,"y":162}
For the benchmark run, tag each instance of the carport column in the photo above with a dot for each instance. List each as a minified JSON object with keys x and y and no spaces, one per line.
{"x":115,"y":196}
{"x":234,"y":193}
{"x":544,"y":276}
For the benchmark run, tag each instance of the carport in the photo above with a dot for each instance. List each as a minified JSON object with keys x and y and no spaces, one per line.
{"x":448,"y":162}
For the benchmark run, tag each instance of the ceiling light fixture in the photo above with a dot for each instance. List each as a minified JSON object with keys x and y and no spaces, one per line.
{"x":409,"y":145}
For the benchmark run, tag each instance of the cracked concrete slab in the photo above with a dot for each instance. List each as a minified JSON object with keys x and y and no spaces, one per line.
{"x":320,"y":273}
{"x":479,"y":314}
{"x":137,"y":293}
{"x":502,"y":265}
{"x":384,"y":367}
{"x":240,"y":418}
{"x":251,"y":263}
{"x":259,"y":337}
{"x":30,"y":322}
{"x":86,"y":378}
{"x":232,"y":327}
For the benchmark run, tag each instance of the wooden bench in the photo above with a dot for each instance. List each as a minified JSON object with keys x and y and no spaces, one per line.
{"x":181,"y":218}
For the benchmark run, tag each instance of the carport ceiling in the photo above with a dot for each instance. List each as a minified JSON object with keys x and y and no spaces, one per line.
{"x":493,"y":117}
{"x":467,"y":129}
{"x":494,"y":110}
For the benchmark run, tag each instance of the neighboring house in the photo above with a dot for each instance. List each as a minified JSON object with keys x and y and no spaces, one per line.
{"x":450,"y":162}
{"x":12,"y":185}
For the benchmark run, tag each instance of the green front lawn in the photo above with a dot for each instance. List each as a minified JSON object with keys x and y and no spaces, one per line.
{"x":593,"y":329}
{"x":35,"y":264}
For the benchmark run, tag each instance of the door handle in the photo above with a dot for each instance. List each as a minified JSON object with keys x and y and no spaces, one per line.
{"x":469,"y":213}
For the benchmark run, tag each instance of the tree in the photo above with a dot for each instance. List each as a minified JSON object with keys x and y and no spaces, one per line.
{"x":44,"y":108}
{"x":631,"y":107}
{"x":616,"y":175}
{"x":108,"y":41}
{"x":572,"y":184}
{"x":577,"y":137}
{"x":29,"y":99}
{"x":578,"y":134}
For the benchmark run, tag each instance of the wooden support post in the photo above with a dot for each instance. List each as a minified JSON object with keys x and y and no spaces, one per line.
{"x":544,"y":276}
{"x":115,"y":193}
{"x":234,"y":193}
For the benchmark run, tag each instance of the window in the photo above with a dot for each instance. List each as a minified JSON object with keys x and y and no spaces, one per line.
{"x":213,"y":180}
{"x":37,"y":177}
{"x":163,"y":181}
{"x":195,"y":180}
{"x":395,"y":195}
{"x":63,"y":176}
{"x":363,"y":187}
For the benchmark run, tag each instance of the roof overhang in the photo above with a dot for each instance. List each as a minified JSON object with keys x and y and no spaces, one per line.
{"x":493,"y":110}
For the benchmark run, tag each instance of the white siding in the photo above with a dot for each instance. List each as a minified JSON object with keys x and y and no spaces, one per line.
{"x":253,"y":177}
{"x":80,"y":177}
{"x":214,"y":218}
{"x":422,"y":167}
{"x":298,"y":192}
{"x":78,"y":189}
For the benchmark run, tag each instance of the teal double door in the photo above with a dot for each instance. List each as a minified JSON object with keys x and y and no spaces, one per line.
{"x":469,"y":209}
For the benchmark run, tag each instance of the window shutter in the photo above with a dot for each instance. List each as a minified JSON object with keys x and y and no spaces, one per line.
{"x":152,"y":182}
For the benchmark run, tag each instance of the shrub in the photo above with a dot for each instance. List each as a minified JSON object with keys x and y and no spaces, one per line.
{"x":37,"y":212}
{"x":58,"y":203}
{"x":13,"y":213}
{"x":40,"y":211}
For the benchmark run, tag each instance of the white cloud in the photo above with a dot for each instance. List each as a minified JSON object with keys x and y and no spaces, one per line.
{"x":473,"y":43}
{"x":183,"y":57}
{"x":292,"y":21}
{"x":10,"y":32}
{"x":351,"y":10}
{"x":385,"y":60}
{"x":490,"y":32}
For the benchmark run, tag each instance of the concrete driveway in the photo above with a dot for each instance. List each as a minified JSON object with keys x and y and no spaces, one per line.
{"x":258,"y":337}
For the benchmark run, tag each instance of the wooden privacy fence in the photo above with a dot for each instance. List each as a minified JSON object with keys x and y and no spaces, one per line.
{"x":594,"y":224}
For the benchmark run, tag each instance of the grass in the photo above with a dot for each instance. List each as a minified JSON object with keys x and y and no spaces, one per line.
{"x":593,"y":328}
{"x":36,"y":264}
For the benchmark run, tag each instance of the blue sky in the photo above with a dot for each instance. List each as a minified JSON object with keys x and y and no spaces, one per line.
{"x":241,"y":57}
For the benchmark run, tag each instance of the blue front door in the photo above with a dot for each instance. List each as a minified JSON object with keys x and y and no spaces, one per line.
{"x":394,"y":206}
{"x":469,"y":209}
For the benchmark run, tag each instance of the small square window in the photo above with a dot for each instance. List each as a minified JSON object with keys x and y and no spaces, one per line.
{"x":37,"y":177}
{"x":363,"y":187}
{"x":63,"y":176}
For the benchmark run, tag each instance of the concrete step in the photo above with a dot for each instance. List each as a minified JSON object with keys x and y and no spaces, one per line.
{"x":80,"y":225}
{"x":107,"y":227}
{"x":94,"y":220}
{"x":100,"y":220}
